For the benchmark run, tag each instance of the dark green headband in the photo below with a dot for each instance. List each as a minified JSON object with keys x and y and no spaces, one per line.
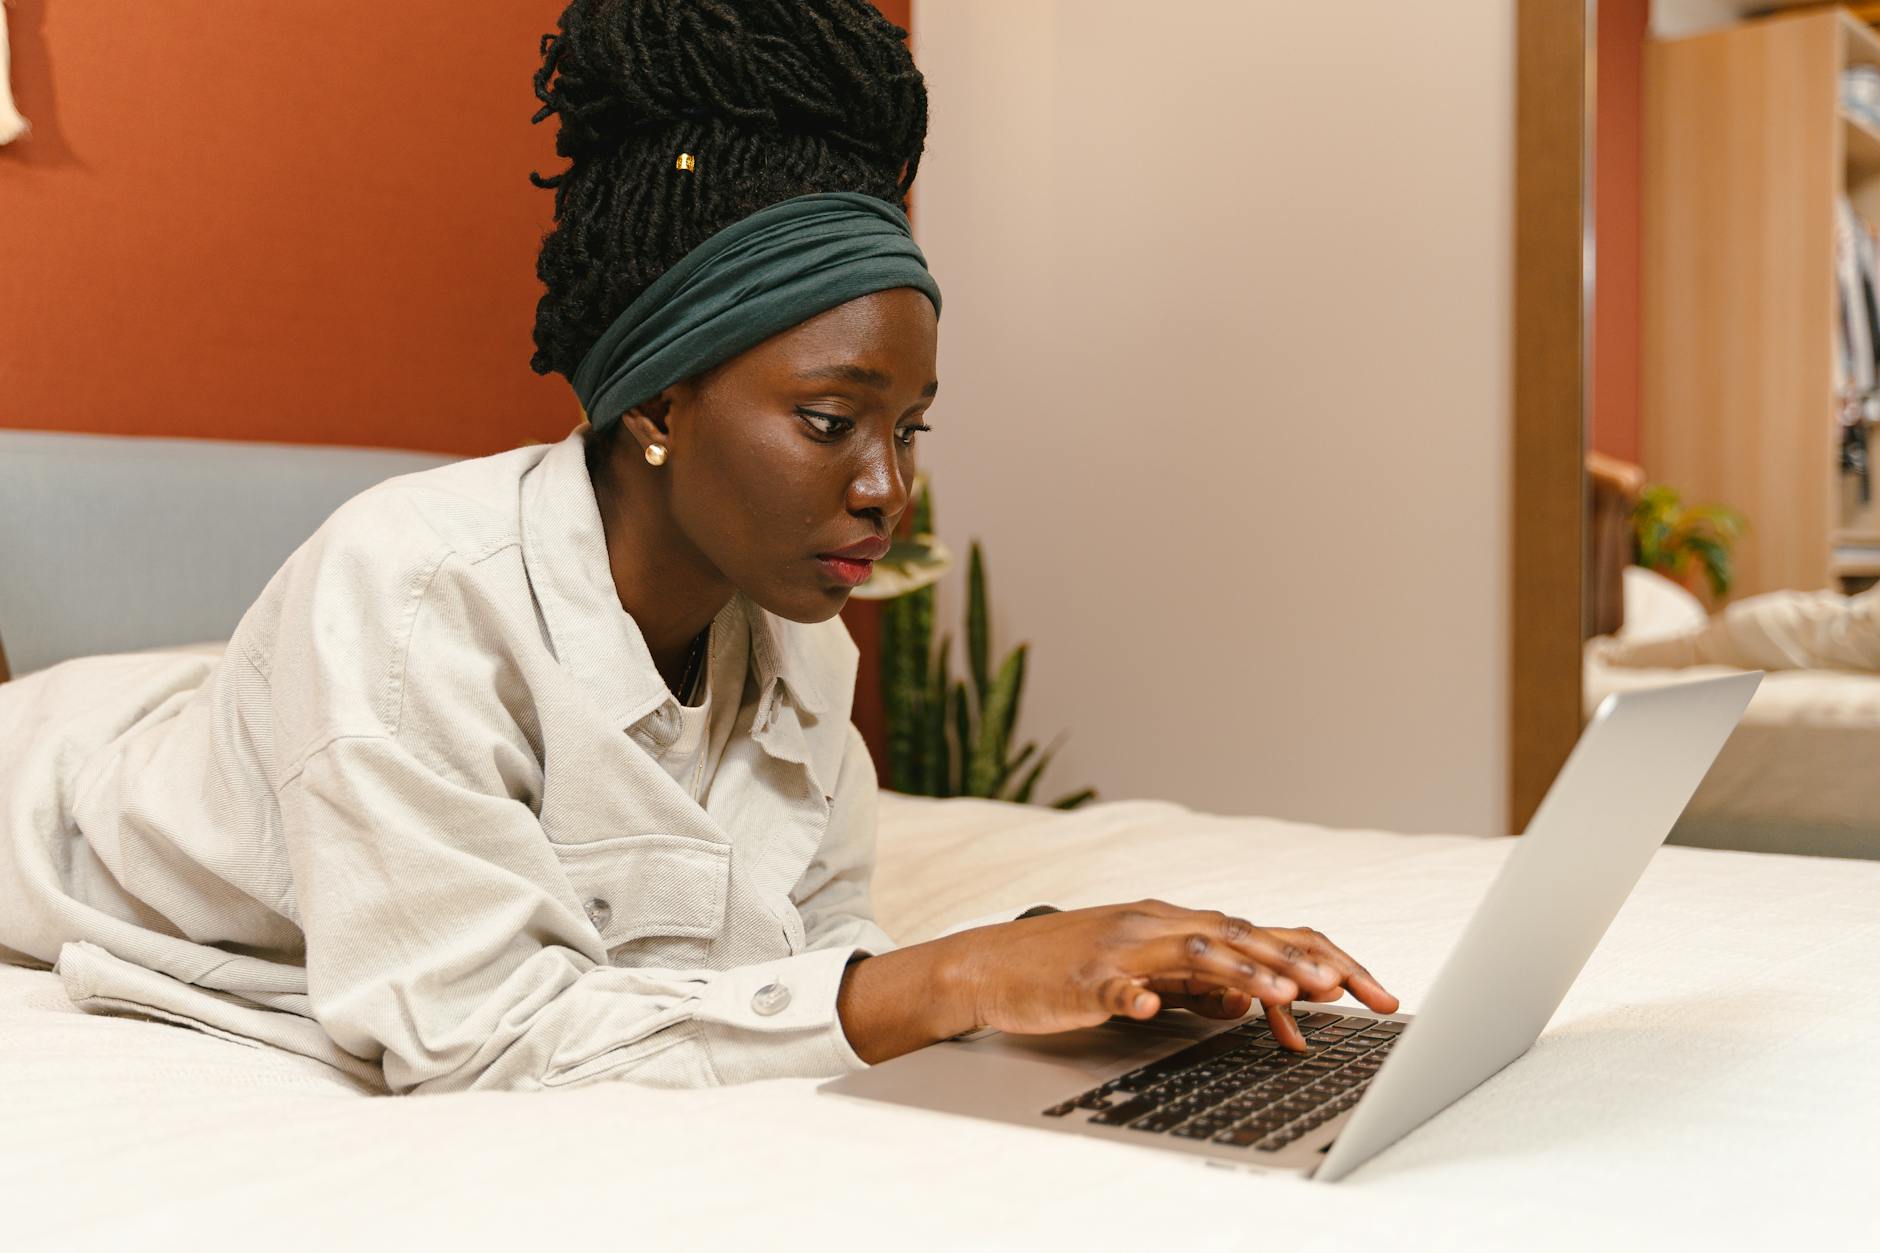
{"x":763,"y":274}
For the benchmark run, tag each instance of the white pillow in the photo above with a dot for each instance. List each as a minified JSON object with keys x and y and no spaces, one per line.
{"x":204,"y":648}
{"x":1782,"y":630}
{"x":1656,"y":608}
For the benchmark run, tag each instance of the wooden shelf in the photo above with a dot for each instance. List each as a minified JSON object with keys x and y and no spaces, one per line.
{"x":1861,"y":147}
{"x":1745,"y":148}
{"x":1863,"y":45}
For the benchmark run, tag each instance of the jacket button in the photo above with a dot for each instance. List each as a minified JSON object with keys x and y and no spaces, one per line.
{"x":599,"y":912}
{"x":770,"y":998}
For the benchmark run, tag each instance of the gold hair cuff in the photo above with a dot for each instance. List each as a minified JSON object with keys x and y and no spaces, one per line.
{"x":684,"y":162}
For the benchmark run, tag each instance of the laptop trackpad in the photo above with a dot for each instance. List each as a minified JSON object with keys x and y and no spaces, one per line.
{"x":1100,"y":1050}
{"x":1014,"y":1077}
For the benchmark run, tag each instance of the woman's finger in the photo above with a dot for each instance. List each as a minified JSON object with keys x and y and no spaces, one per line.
{"x":1216,"y":1002}
{"x":1194,"y":954}
{"x":1178,"y":990}
{"x":1285,"y":1030}
{"x":1348,"y":973}
{"x":1206,"y":1006}
{"x":1281,"y":953}
{"x":1362,"y":983}
{"x":1204,"y":996}
{"x":1128,"y":997}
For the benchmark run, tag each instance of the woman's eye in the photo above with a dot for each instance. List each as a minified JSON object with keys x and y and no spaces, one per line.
{"x":907,"y":433}
{"x":813,"y":417}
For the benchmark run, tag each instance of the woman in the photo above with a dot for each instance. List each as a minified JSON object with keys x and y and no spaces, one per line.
{"x":537,"y":769}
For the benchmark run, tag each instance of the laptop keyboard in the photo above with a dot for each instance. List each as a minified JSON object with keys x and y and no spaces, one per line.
{"x":1244,"y":1088}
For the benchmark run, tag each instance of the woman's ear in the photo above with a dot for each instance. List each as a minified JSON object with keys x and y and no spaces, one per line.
{"x":646,"y":421}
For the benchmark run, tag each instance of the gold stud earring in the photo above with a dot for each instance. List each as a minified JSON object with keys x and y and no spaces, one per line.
{"x":656,"y":454}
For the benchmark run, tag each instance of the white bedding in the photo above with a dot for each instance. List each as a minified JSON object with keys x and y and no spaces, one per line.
{"x":1713,"y":1080}
{"x":1799,"y":772}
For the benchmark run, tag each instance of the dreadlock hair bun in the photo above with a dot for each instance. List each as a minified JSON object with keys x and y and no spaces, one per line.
{"x":773,"y":99}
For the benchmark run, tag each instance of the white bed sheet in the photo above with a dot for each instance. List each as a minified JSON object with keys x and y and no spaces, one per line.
{"x":1711,"y":1081}
{"x":1799,"y":772}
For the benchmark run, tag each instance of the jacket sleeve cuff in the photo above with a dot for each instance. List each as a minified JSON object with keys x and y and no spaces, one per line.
{"x":778,"y":1019}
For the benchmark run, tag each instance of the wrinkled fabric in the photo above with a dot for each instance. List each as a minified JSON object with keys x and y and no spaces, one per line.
{"x":413,"y":821}
{"x":1782,"y":630}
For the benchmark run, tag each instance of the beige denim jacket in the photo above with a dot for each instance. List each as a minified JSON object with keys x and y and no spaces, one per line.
{"x":410,"y":821}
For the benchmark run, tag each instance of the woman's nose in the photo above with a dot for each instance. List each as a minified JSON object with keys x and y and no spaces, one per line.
{"x":880,"y":483}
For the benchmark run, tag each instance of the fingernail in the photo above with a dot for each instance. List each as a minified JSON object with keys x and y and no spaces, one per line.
{"x":1142,"y":1003}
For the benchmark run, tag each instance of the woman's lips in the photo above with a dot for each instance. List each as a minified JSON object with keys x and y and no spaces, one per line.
{"x":846,"y":570}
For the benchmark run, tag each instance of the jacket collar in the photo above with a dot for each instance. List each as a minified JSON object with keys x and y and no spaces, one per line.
{"x":564,"y":551}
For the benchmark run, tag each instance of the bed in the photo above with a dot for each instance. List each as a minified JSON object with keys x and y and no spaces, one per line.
{"x":1710,"y":1081}
{"x":1798,"y":774}
{"x":1801,"y":772}
{"x":117,"y":542}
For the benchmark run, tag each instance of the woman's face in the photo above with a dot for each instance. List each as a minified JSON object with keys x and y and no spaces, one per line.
{"x":803,"y":445}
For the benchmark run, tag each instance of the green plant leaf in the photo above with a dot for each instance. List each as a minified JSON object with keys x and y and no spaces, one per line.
{"x":1074,"y":799}
{"x":995,"y":725}
{"x":907,"y":635}
{"x":1009,"y":768}
{"x":1668,"y":535}
{"x":922,"y":490}
{"x":1714,"y":557}
{"x":920,"y":615}
{"x":944,"y":739}
{"x":934,"y":725}
{"x":896,"y":696}
{"x":963,"y":741}
{"x":1023,"y":794}
{"x":1002,"y":750}
{"x":1011,"y":719}
{"x":978,"y":644}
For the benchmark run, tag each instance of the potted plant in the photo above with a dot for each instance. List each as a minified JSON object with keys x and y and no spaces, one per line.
{"x":940,"y":742}
{"x":1690,"y":544}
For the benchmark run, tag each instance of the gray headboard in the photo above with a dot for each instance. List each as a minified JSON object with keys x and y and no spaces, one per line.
{"x":111,"y":543}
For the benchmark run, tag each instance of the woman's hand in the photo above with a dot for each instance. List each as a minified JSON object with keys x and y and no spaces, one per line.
{"x":1077,"y":968}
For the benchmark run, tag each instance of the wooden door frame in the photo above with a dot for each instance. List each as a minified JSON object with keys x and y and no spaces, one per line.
{"x":1553,"y":301}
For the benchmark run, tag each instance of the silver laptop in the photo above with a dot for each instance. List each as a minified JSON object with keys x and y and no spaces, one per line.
{"x":1229,"y":1094}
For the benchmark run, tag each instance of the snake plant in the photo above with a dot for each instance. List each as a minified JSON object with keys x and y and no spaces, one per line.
{"x":940,"y":742}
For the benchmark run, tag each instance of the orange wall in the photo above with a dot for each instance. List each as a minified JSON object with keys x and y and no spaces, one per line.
{"x":900,"y":12}
{"x":310,"y":223}
{"x":1616,"y":211}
